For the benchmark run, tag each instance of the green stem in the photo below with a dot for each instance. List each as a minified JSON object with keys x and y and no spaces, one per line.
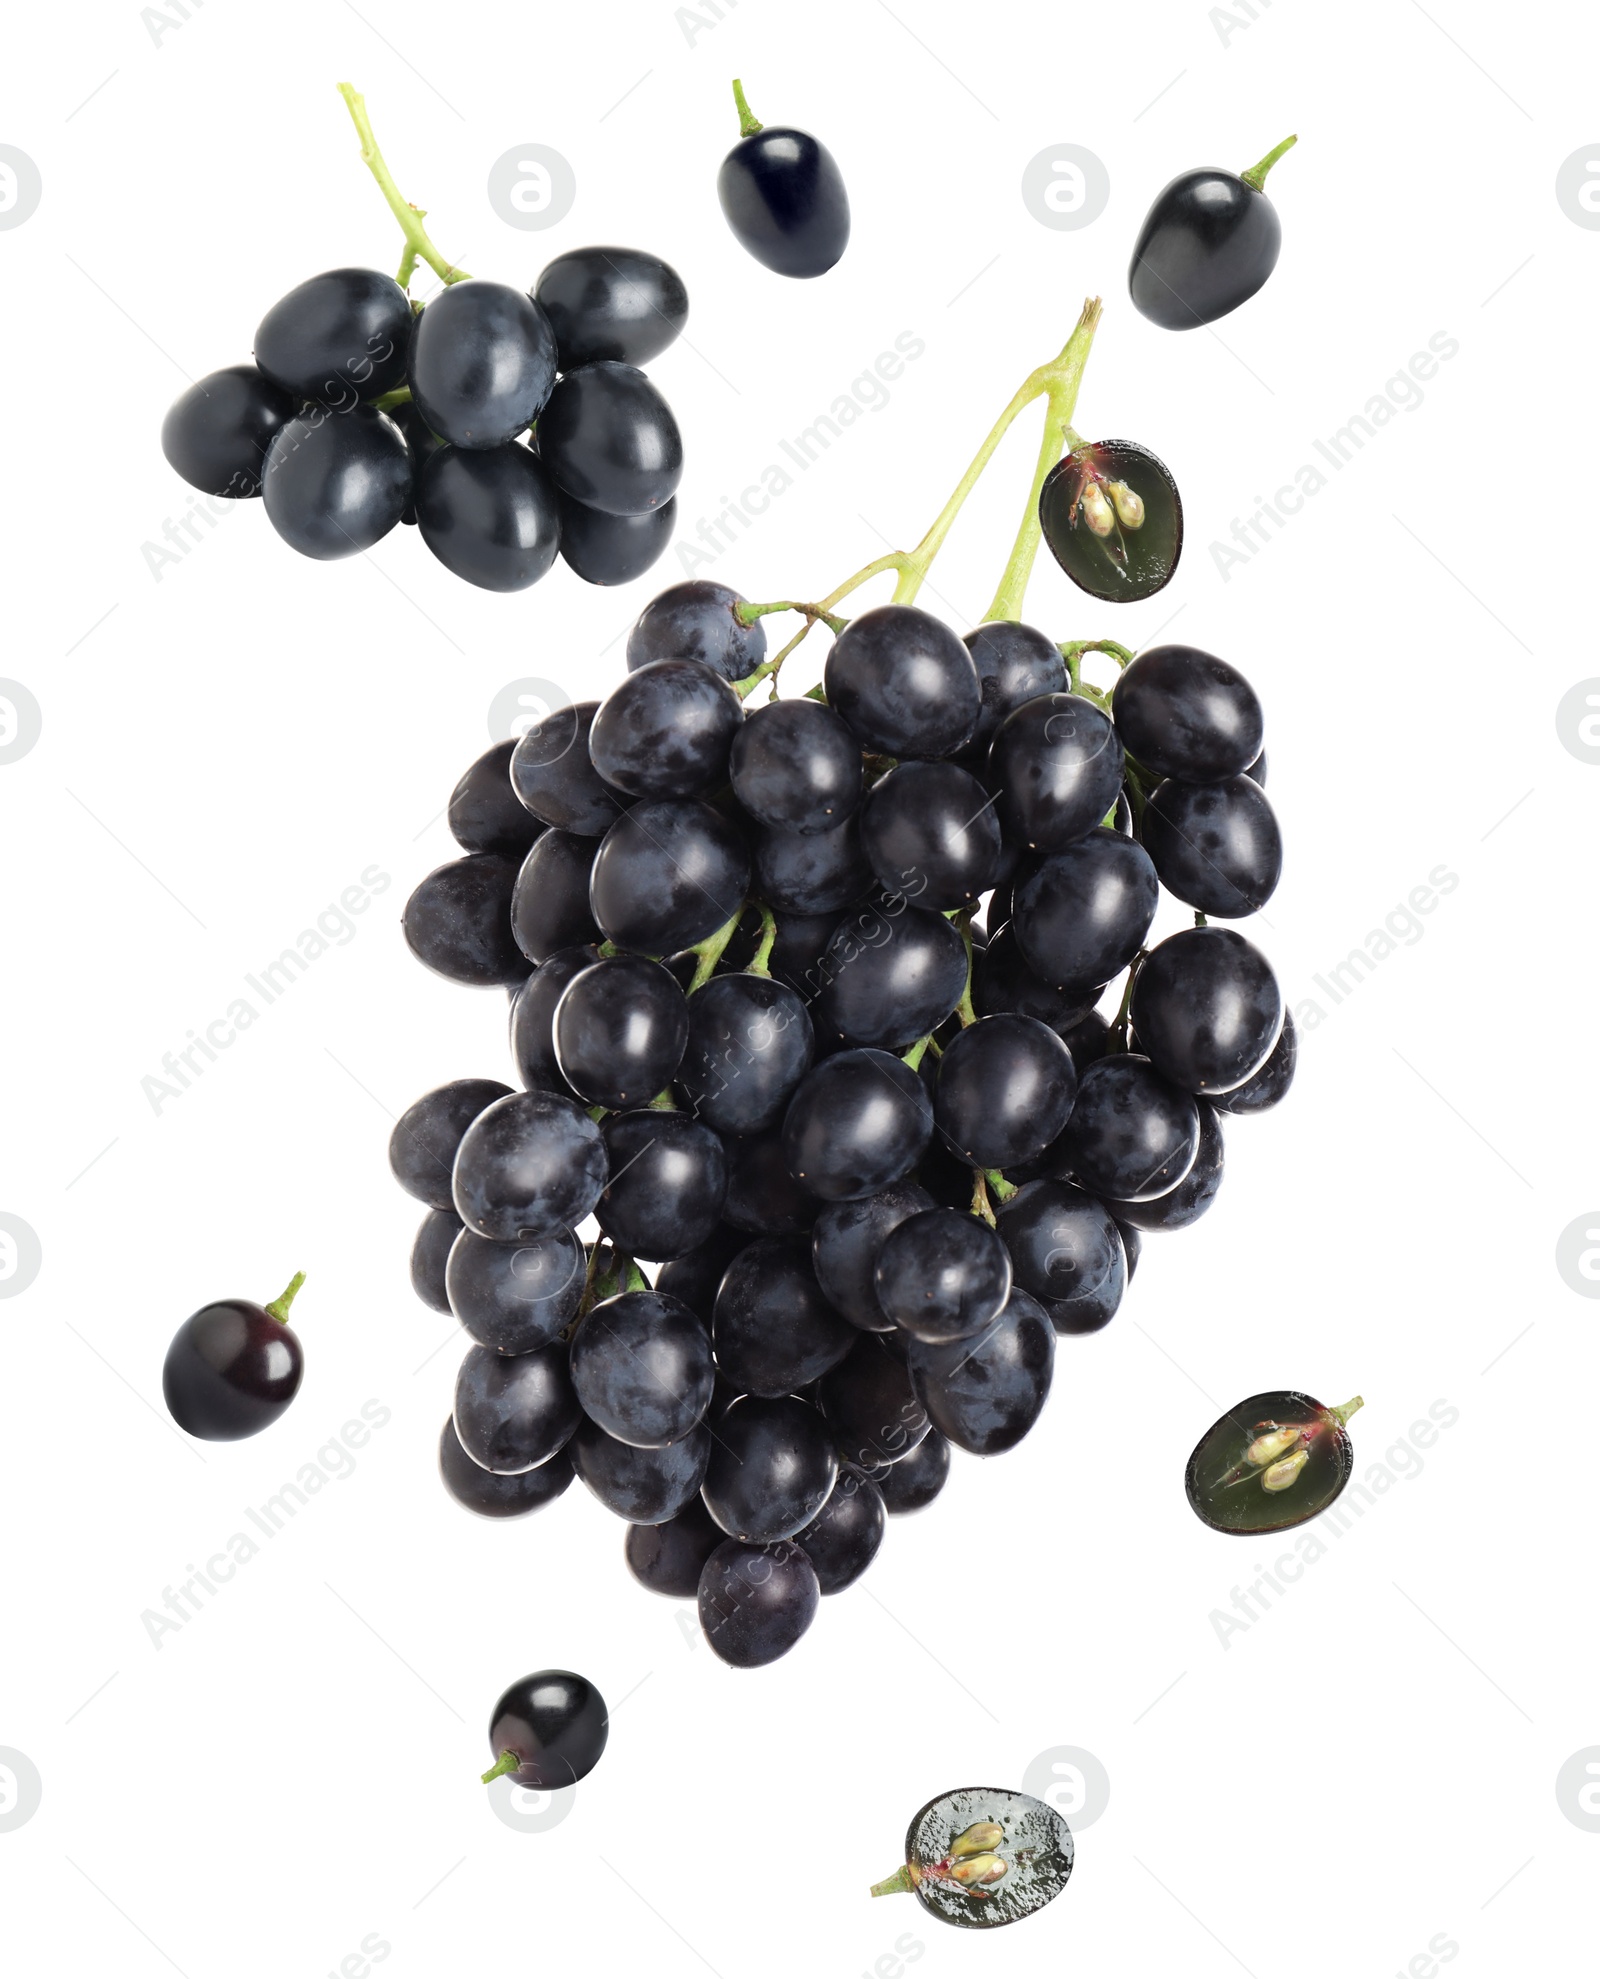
{"x":999,"y":1185}
{"x":633,"y":1279}
{"x":964,"y":1009}
{"x":760,"y":963}
{"x":1119,"y":1023}
{"x":913,"y":1057}
{"x":508,"y":1762}
{"x":980,"y":1198}
{"x":1059,"y":382}
{"x":664,"y":1102}
{"x":401,"y":395}
{"x":279,"y":1309}
{"x":418,"y":244}
{"x":710,"y":951}
{"x":748,"y":125}
{"x":1343,"y":1414}
{"x":1255,"y":178}
{"x":902,"y":1879}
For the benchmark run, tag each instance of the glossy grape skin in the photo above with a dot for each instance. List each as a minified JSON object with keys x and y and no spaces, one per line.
{"x":489,"y":515}
{"x":1002,"y":984}
{"x":610,"y":441}
{"x":533,"y":1045}
{"x":811,"y":872}
{"x":771,"y":1468}
{"x":904,"y":682}
{"x":1207,"y":1009}
{"x":499,"y":1494}
{"x":514,"y":1411}
{"x":554,"y":1722}
{"x":870,"y":1404}
{"x":917,"y":1480}
{"x":784,"y":198}
{"x":1005,"y":1087}
{"x":750,"y":1044}
{"x":773,"y":1329}
{"x":892,"y":974}
{"x":942,"y":1276}
{"x":1133,"y":1135}
{"x":755,"y":1602}
{"x":1227,"y":1502}
{"x":1216,"y":846}
{"x":668,"y":1558}
{"x":698,"y":620}
{"x":693,"y":1278}
{"x":530,"y":1165}
{"x":549,"y":907}
{"x":516,"y":1297}
{"x":858,"y":1122}
{"x":336,"y":482}
{"x":929,"y":831}
{"x":1183,"y":713}
{"x":340,"y":336}
{"x":1193,"y":1196}
{"x":669,"y":1179}
{"x":1207,"y":244}
{"x":457,"y":921}
{"x":1264,"y":1089}
{"x":842,"y":1541}
{"x":1055,"y":766}
{"x":552,"y":774}
{"x":985,"y":1394}
{"x":482,"y":363}
{"x":844,"y":1250}
{"x":617,"y":303}
{"x":1066,"y":1250}
{"x":641,"y":1366}
{"x":763,"y":1198}
{"x":484,"y":813}
{"x":666,"y":730}
{"x":422,"y":1147}
{"x":1083,"y":914}
{"x":796,"y":766}
{"x":1015,"y":663}
{"x":612,"y":549}
{"x":217,"y":433}
{"x":645,"y":1487}
{"x":620,"y":1029}
{"x":231,"y":1371}
{"x":430,"y":1250}
{"x":669,"y":873}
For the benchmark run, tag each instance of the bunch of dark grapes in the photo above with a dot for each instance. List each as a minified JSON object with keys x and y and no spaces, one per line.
{"x":806,"y":1013}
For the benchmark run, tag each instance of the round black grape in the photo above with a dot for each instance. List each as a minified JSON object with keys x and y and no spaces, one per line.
{"x":609,"y":439}
{"x":552,"y":774}
{"x":1067,"y":1251}
{"x":612,"y":549}
{"x":771,"y":1468}
{"x":669,"y":873}
{"x":698,"y":620}
{"x":669,"y":1178}
{"x":554,"y":1724}
{"x":498,"y":1494}
{"x":1207,"y":1009}
{"x":616,"y":303}
{"x":942,"y":1275}
{"x":985,"y":1394}
{"x":336,"y":482}
{"x":666,"y":731}
{"x":870,"y":1404}
{"x":1217,"y":846}
{"x":859,"y":1121}
{"x":458,"y":921}
{"x":756,"y":1602}
{"x":514,"y":1297}
{"x":422,"y":1147}
{"x":844,"y":1250}
{"x":1005,"y":1087}
{"x":916,"y":1480}
{"x":340,"y":336}
{"x":646,"y":1487}
{"x":904,"y":682}
{"x":1015,"y":663}
{"x":667,"y":1558}
{"x":484,"y":813}
{"x":1082,"y":915}
{"x":1265,"y":1088}
{"x":1184,"y":713}
{"x":530,"y":1165}
{"x":773,"y":1329}
{"x":796,"y":766}
{"x":929,"y":832}
{"x":489,"y":515}
{"x":812,"y":872}
{"x":1193,"y":1196}
{"x":842,"y":1541}
{"x":217,"y":433}
{"x":784,"y":197}
{"x":514,"y":1411}
{"x":549,"y":907}
{"x":620,"y":1029}
{"x":1055,"y":766}
{"x":892,"y":974}
{"x":641,"y":1365}
{"x":429,"y":1250}
{"x":1133,"y":1135}
{"x":482,"y":363}
{"x":750,"y":1045}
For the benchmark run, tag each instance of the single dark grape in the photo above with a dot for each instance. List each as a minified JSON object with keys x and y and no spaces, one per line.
{"x":552,"y":774}
{"x":904,"y":682}
{"x":422,"y":1147}
{"x":669,"y":1178}
{"x":233,"y":1368}
{"x":773,"y":1328}
{"x":1265,"y":1088}
{"x":1067,"y":1251}
{"x":645,"y":1487}
{"x":513,"y":1412}
{"x":784,"y":197}
{"x":858,"y":1122}
{"x":458,"y":921}
{"x":1216,"y":845}
{"x":1084,"y":913}
{"x":533,"y":1011}
{"x":335,"y":482}
{"x":1187,"y":714}
{"x":430,"y":1251}
{"x":499,"y":1494}
{"x":610,"y":441}
{"x":616,"y":303}
{"x":613,"y":549}
{"x":667,"y":1558}
{"x":812,"y":872}
{"x":929,"y":831}
{"x":340,"y":336}
{"x":844,"y":1250}
{"x":842,"y":1541}
{"x":750,"y":1044}
{"x":484,"y":813}
{"x":489,"y":515}
{"x":530,"y":1165}
{"x":756,"y":1602}
{"x":549,"y":907}
{"x":482,"y":363}
{"x":870,"y":1404}
{"x":1272,"y":1462}
{"x":514,"y":1297}
{"x":985,"y":1394}
{"x":1207,"y":1009}
{"x":669,"y":873}
{"x":1193,"y":1196}
{"x":1005,"y":1087}
{"x":217,"y":433}
{"x":796,"y":766}
{"x":698,"y":620}
{"x":641,"y":1365}
{"x":893,"y":973}
{"x":1015,"y":663}
{"x":666,"y":730}
{"x":942,"y":1275}
{"x":620,"y":1029}
{"x":1207,"y":244}
{"x":1002,"y":983}
{"x":916,"y":1480}
{"x":764,"y":1198}
{"x":1055,"y":767}
{"x":772,"y":1466}
{"x":1112,"y":516}
{"x":1133,"y":1135}
{"x":553,"y":1724}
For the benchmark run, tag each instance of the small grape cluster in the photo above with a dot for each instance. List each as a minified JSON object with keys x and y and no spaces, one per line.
{"x":811,"y":1026}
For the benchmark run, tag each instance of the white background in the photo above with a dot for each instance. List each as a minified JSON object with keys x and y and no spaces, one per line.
{"x":1368,"y":1767}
